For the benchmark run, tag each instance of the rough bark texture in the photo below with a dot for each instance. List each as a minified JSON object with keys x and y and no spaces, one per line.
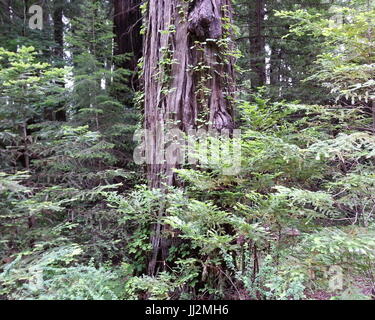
{"x":188,"y":81}
{"x":127,"y":26}
{"x":178,"y":98}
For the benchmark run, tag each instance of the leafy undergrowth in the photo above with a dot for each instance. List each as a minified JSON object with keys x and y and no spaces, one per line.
{"x":296,"y":222}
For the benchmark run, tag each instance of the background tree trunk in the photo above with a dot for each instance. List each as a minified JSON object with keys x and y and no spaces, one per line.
{"x":257,"y":44}
{"x":5,"y":14}
{"x":127,"y":29}
{"x":58,"y":30}
{"x":57,"y":113}
{"x":188,"y":80}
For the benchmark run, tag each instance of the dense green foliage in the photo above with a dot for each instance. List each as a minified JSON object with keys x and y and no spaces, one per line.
{"x":75,"y":211}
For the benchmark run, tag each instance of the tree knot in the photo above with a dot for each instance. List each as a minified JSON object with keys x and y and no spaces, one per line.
{"x":204,"y":21}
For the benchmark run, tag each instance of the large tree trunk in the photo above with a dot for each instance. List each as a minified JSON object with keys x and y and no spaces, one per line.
{"x":127,"y":29}
{"x":188,"y":80}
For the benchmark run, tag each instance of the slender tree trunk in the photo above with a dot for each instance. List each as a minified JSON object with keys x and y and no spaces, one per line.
{"x":58,"y":30}
{"x":26,"y":146}
{"x":5,"y":6}
{"x":257,"y":44}
{"x":57,"y":113}
{"x":188,"y":81}
{"x":24,"y":16}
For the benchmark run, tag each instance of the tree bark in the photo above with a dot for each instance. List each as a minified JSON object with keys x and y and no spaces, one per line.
{"x":6,"y":16}
{"x":57,"y":113}
{"x":188,"y":80}
{"x":127,"y":28}
{"x":58,"y":30}
{"x":257,"y":44}
{"x":188,"y":77}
